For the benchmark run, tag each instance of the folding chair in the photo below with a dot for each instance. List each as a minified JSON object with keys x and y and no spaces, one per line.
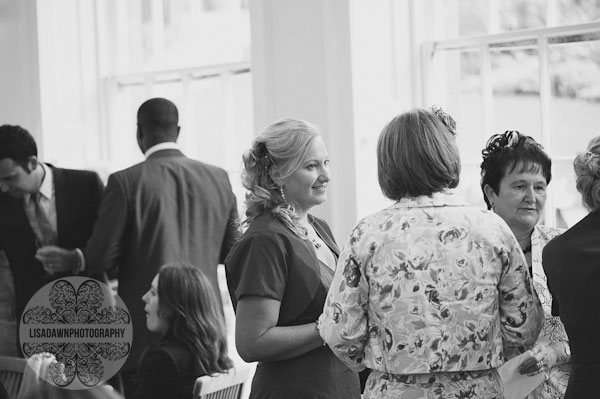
{"x":11,"y":374}
{"x":222,"y":386}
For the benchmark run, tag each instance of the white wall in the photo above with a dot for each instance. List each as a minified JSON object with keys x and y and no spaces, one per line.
{"x":302,"y":68}
{"x":19,"y":65}
{"x":48,"y":77}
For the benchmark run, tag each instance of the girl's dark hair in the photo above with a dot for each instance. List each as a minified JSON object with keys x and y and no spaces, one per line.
{"x":505,"y":152}
{"x":189,"y":302}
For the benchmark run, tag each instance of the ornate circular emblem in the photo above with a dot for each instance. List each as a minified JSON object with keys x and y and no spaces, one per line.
{"x":84,"y":325}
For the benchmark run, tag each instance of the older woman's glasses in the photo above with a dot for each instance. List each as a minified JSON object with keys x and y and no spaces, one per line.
{"x":508,"y":139}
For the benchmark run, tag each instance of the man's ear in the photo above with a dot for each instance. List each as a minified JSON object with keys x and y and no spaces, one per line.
{"x":177,"y":135}
{"x":31,"y":164}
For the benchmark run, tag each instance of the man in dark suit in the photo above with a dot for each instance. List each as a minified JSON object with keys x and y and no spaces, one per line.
{"x":168,"y":208}
{"x":42,"y":208}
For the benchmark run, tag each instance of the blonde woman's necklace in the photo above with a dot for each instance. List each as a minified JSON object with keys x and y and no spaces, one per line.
{"x":311,"y":235}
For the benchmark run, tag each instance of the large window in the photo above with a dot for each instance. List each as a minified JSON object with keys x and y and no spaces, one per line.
{"x":195,"y":53}
{"x":532,"y":66}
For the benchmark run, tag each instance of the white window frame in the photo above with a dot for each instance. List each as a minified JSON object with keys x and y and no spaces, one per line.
{"x":483,"y":44}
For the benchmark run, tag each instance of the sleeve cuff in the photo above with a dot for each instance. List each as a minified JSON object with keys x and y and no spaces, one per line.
{"x":79,"y":263}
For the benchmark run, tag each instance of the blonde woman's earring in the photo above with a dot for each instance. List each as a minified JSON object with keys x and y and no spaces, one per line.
{"x":282,"y":194}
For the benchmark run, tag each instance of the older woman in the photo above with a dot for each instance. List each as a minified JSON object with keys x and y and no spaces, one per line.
{"x":281,"y":268}
{"x":514,"y":176}
{"x":428,"y":291}
{"x":571,"y":262}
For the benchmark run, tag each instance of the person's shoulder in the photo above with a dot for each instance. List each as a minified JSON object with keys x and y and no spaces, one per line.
{"x":547,"y":233}
{"x":170,"y":353}
{"x":75,"y":173}
{"x":266,"y":226}
{"x":130,"y":173}
{"x":207,"y":168}
{"x":264,"y":231}
{"x":572,"y":237}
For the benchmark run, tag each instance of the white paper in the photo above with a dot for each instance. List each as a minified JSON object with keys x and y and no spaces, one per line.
{"x":517,"y":386}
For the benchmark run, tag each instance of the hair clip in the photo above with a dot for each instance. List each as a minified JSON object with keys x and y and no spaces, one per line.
{"x":508,"y":139}
{"x":591,"y":155}
{"x":261,"y":155}
{"x":445,"y":118}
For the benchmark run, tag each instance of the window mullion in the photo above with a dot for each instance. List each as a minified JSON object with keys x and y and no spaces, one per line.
{"x":487,"y":90}
{"x":545,"y":98}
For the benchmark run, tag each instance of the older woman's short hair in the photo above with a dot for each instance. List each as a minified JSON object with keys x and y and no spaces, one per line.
{"x":587,"y":172}
{"x":507,"y":151}
{"x":417,"y":155}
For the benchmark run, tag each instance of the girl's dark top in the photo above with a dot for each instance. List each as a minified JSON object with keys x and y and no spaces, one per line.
{"x":272,"y":262}
{"x":167,"y":371}
{"x":572,"y":265}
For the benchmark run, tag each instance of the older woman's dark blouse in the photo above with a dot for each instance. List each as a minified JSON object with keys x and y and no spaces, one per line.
{"x":272,"y":262}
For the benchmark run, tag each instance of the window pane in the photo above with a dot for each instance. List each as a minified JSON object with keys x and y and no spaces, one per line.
{"x":466,"y":106}
{"x":577,"y":11}
{"x":575,"y":106}
{"x":567,"y":200}
{"x":172,"y":34}
{"x":469,"y":187}
{"x":462,"y":78}
{"x":522,"y":14}
{"x":516,"y":101}
{"x":473,"y":17}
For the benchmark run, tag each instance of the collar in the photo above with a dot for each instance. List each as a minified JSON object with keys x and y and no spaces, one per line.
{"x":167,"y":145}
{"x":47,"y":186}
{"x":447,"y":197}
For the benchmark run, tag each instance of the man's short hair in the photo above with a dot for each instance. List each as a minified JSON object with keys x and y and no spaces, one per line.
{"x":16,"y":143}
{"x":158,"y":112}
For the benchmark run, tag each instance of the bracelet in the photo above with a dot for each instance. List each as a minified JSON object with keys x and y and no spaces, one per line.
{"x":319,"y":333}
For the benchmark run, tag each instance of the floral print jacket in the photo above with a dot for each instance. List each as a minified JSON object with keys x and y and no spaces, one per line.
{"x":430,"y":284}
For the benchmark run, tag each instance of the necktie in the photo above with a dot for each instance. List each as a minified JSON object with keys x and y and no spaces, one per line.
{"x":40,"y":223}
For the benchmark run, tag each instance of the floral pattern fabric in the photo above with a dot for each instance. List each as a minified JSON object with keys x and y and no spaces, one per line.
{"x":553,"y":329}
{"x":430,"y":285}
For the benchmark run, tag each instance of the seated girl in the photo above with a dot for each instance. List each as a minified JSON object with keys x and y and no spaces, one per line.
{"x":182,"y":305}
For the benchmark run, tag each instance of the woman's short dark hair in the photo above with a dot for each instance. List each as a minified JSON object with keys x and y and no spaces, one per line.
{"x":417,"y":154}
{"x":506,"y":152}
{"x":189,"y":302}
{"x":587,"y":172}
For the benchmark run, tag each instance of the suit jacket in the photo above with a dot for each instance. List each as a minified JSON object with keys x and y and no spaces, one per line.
{"x":572,"y":265}
{"x":165,"y":209}
{"x":77,"y":194}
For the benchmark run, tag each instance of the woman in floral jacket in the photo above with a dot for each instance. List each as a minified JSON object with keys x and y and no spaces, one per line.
{"x":429,"y":292}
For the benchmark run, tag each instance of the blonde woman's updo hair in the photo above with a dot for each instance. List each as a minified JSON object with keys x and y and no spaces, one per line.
{"x":587,"y":171}
{"x":275,"y":155}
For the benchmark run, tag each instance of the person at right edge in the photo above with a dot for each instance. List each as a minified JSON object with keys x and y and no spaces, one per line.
{"x":429,"y":292}
{"x":572,"y":265}
{"x":280,"y":269}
